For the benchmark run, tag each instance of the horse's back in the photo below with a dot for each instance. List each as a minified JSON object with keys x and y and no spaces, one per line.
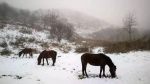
{"x":48,"y":54}
{"x":52,"y":53}
{"x":27,"y":50}
{"x":93,"y":56}
{"x":94,"y":59}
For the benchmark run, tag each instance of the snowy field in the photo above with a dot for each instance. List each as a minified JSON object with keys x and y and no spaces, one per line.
{"x":132,"y":68}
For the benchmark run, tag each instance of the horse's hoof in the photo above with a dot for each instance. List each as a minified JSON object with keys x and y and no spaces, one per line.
{"x":42,"y":64}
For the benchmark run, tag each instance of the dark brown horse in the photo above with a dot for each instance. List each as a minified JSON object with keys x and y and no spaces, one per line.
{"x":98,"y":60}
{"x":47,"y":54}
{"x":26,"y":51}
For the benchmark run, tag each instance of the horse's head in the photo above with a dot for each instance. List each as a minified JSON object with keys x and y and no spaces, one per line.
{"x":20,"y":54}
{"x":113,"y":71}
{"x":39,"y":61}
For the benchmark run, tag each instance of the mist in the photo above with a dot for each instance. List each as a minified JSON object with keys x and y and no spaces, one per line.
{"x":111,"y":11}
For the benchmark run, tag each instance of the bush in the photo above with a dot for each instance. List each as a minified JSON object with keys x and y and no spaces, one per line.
{"x":3,"y":44}
{"x":26,"y":30}
{"x":14,"y":43}
{"x":31,"y":40}
{"x":65,"y":48}
{"x":45,"y":45}
{"x":35,"y":51}
{"x":20,"y":40}
{"x":126,"y":46}
{"x":6,"y":52}
{"x":82,"y":49}
{"x":2,"y":25}
{"x":55,"y":45}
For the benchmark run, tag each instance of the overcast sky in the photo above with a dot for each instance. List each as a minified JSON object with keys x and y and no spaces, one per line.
{"x":112,"y":11}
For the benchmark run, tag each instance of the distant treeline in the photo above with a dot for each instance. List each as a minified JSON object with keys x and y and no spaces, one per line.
{"x":51,"y":20}
{"x":120,"y":34}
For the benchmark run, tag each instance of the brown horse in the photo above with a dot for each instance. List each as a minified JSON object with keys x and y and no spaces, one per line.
{"x":26,"y":51}
{"x":47,"y":54}
{"x":98,"y":60}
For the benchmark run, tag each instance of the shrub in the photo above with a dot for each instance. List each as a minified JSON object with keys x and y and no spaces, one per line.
{"x":2,"y":25}
{"x":6,"y":52}
{"x":3,"y":44}
{"x":14,"y":43}
{"x":126,"y":46}
{"x":21,"y":39}
{"x":35,"y":51}
{"x":55,"y":45}
{"x":26,"y":30}
{"x":65,"y":48}
{"x":45,"y":45}
{"x":31,"y":40}
{"x":82,"y":49}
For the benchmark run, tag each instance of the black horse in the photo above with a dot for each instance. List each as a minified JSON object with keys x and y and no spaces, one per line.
{"x":47,"y":54}
{"x":98,"y":60}
{"x":26,"y":51}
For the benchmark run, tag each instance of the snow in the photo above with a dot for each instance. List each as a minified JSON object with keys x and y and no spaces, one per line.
{"x":132,"y":67}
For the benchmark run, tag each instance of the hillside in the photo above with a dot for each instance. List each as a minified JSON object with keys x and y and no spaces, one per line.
{"x":84,"y":24}
{"x":57,"y":21}
{"x":14,"y":38}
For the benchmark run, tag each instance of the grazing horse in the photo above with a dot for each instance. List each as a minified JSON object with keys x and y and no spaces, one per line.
{"x":47,"y":54}
{"x":98,"y":60}
{"x":26,"y":51}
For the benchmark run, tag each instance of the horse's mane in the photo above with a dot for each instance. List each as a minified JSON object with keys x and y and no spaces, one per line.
{"x":20,"y":52}
{"x":40,"y":56}
{"x":109,"y":61}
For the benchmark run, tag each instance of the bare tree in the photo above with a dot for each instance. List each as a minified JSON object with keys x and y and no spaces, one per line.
{"x":4,"y":11}
{"x":24,"y":16}
{"x":69,"y":31}
{"x":50,"y":18}
{"x":57,"y":30}
{"x":33,"y":19}
{"x":129,"y":21}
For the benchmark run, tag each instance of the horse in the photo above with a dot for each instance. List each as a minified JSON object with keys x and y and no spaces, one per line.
{"x":47,"y":54}
{"x":26,"y":51}
{"x":98,"y":60}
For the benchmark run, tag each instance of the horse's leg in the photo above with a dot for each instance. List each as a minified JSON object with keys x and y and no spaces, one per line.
{"x":104,"y":71}
{"x":31,"y":55}
{"x":47,"y":61}
{"x":43,"y":62}
{"x":100,"y":71}
{"x":85,"y":70}
{"x":82,"y":68}
{"x":54,"y":59}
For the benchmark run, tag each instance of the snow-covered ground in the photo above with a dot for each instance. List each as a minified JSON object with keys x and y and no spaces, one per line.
{"x":132,"y":68}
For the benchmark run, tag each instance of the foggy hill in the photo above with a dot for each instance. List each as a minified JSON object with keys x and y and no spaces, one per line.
{"x":84,"y":24}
